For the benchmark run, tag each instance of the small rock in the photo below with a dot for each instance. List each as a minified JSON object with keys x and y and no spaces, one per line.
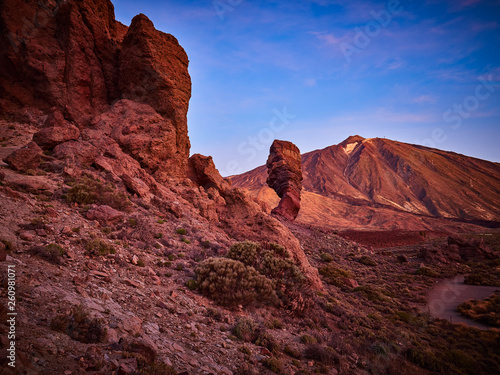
{"x":26,"y":236}
{"x":111,"y":336}
{"x":105,"y":215}
{"x":99,"y":273}
{"x":135,"y":284}
{"x":402,"y":259}
{"x":41,"y":233}
{"x":351,"y":283}
{"x":132,"y":325}
{"x":135,"y":259}
{"x":128,"y":366}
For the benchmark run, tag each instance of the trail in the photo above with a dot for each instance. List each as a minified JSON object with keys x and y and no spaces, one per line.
{"x":446,"y":295}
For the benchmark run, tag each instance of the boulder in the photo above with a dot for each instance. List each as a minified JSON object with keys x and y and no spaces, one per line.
{"x":285,"y":177}
{"x":201,"y":170}
{"x":50,"y":137}
{"x":105,"y":215}
{"x":25,"y":158}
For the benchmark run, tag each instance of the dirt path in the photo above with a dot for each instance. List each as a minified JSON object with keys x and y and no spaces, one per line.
{"x":446,"y":295}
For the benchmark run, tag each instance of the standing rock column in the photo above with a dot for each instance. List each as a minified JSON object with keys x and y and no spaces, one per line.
{"x":285,"y":177}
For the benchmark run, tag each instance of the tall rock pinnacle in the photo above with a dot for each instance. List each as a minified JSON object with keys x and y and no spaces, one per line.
{"x":285,"y":177}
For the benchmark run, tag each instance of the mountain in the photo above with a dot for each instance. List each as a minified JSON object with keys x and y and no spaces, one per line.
{"x":383,"y":184}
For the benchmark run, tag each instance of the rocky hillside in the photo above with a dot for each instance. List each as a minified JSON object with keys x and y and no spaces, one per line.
{"x":380,"y":183}
{"x":119,"y":254}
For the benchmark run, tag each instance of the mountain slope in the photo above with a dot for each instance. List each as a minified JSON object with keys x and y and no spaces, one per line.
{"x":386,"y":184}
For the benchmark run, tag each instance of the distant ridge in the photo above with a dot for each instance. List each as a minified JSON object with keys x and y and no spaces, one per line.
{"x":383,"y":184}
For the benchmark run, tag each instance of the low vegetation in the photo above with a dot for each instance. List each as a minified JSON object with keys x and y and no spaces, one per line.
{"x":93,"y":191}
{"x":486,"y":311}
{"x":250,"y":274}
{"x":98,"y":247}
{"x":77,"y":324}
{"x":52,"y":253}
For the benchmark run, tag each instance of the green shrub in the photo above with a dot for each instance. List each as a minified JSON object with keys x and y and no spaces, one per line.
{"x":275,"y":323}
{"x":485,"y":311}
{"x":274,"y":364}
{"x":273,"y":263}
{"x":327,"y":258}
{"x":245,"y":350}
{"x":370,"y":292}
{"x":181,"y":231}
{"x":245,"y":252}
{"x":230,"y":282}
{"x":333,"y":274}
{"x":90,"y":191}
{"x":185,"y":240}
{"x":323,"y":354}
{"x":367,"y":261}
{"x":426,"y":271}
{"x":245,"y":329}
{"x":191,"y":284}
{"x":425,"y":359}
{"x":307,"y":339}
{"x":266,"y":340}
{"x":77,"y":325}
{"x":294,"y":353}
{"x":51,"y":253}
{"x":98,"y":247}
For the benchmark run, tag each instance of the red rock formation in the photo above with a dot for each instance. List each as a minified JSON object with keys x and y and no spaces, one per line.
{"x":25,"y":158}
{"x":382,"y":184}
{"x":284,"y":176}
{"x":69,"y":57}
{"x":202,"y":171}
{"x":153,"y":70}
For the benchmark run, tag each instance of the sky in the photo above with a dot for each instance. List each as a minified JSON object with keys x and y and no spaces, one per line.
{"x":315,"y":72}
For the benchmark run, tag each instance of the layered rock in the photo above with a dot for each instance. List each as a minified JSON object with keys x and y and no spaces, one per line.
{"x":284,"y":176}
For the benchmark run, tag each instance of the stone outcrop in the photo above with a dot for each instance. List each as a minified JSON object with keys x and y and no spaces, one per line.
{"x":154,"y":71}
{"x":25,"y":158}
{"x":202,"y":171}
{"x":73,"y":60}
{"x":285,"y":177}
{"x":144,"y":134}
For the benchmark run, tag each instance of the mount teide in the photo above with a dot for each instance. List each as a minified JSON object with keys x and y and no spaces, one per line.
{"x":382,"y":184}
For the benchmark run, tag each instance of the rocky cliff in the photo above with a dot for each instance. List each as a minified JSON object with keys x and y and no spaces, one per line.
{"x":74,"y":58}
{"x":102,"y":100}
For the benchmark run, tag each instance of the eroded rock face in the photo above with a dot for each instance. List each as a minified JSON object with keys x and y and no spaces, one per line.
{"x":154,"y":71}
{"x":145,"y":135}
{"x":202,"y":171}
{"x":285,"y":177}
{"x":25,"y":158}
{"x":73,"y":60}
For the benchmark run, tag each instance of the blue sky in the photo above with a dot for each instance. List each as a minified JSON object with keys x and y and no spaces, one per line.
{"x":314,"y":72}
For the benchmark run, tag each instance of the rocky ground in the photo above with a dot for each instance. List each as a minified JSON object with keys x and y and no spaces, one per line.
{"x":132,"y":257}
{"x":143,"y":312}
